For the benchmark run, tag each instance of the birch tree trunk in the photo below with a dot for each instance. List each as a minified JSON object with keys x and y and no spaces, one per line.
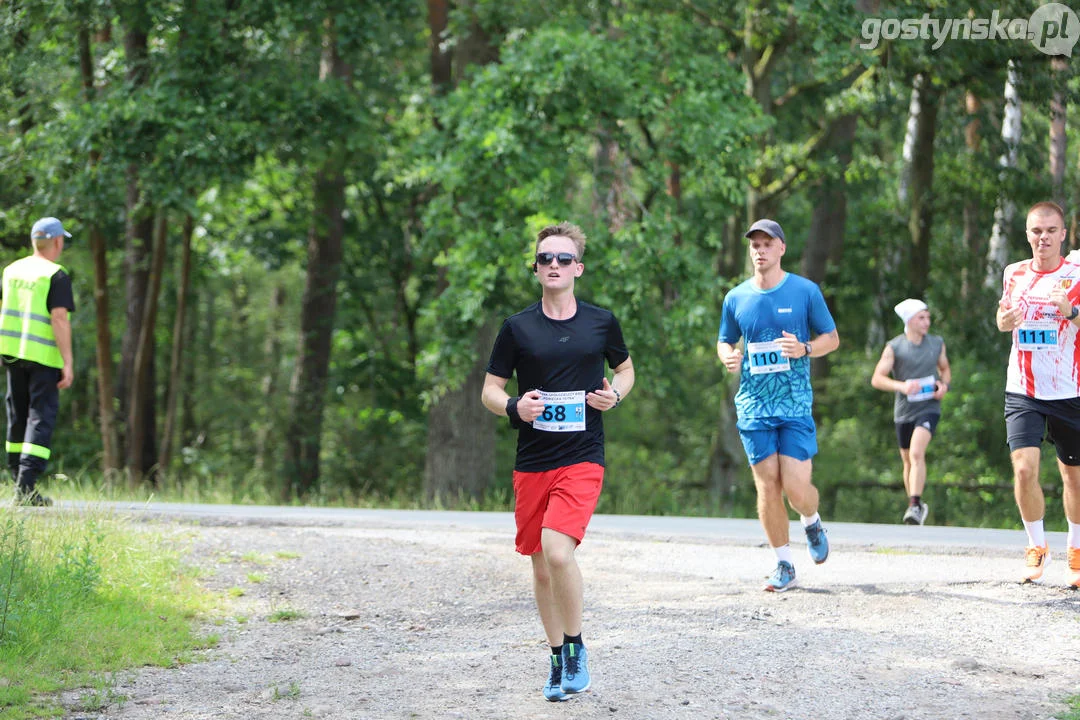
{"x":997,"y":254}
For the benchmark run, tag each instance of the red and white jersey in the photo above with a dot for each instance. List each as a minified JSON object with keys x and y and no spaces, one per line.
{"x":1044,"y":362}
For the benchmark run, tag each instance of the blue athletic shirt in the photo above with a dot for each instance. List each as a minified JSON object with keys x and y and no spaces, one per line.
{"x":796,"y":305}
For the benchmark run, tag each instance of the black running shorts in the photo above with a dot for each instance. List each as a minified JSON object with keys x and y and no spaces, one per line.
{"x":1027,"y":419}
{"x":904,"y":430}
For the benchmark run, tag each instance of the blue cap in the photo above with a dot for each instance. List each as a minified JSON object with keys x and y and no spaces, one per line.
{"x":48,"y":227}
{"x":769,"y":227}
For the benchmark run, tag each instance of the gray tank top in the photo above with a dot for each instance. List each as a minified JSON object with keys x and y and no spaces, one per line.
{"x":912,"y":362}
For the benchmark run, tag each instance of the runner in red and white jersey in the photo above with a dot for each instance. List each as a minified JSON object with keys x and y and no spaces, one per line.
{"x":1042,"y":393}
{"x":1044,"y":361}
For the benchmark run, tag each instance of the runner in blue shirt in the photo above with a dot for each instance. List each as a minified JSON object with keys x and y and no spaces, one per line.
{"x":782,"y":321}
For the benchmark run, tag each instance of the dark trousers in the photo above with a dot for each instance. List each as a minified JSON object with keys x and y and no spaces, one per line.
{"x":32,"y":403}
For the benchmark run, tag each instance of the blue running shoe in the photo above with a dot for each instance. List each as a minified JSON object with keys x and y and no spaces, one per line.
{"x":553,"y":690}
{"x":817,"y":544}
{"x":782,"y":578}
{"x":575,"y":669}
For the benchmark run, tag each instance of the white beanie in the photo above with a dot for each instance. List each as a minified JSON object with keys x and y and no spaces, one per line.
{"x":907,"y":309}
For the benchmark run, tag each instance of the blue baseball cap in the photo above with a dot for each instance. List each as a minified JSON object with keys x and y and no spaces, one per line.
{"x":769,"y":227}
{"x":48,"y":227}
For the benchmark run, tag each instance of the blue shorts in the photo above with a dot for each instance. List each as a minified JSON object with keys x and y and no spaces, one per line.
{"x":762,"y":438}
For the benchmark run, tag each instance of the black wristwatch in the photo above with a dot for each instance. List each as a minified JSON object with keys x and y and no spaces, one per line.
{"x":807,"y":348}
{"x":1075,"y":312}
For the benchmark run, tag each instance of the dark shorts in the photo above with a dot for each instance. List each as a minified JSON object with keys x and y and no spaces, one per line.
{"x":1027,"y":419}
{"x":904,"y":430}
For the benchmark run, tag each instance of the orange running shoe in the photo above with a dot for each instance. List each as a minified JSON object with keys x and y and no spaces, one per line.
{"x":1074,"y":567}
{"x":1037,"y":560}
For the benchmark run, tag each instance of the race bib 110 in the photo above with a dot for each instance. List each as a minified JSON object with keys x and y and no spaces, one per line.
{"x":765,"y":358}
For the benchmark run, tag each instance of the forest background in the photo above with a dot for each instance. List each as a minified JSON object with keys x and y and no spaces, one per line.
{"x":298,"y":225}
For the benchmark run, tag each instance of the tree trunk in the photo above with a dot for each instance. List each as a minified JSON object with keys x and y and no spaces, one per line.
{"x":1058,"y":140}
{"x":997,"y":254}
{"x":319,"y":306}
{"x":460,"y":451}
{"x":268,"y":386}
{"x":921,"y":213}
{"x":674,"y":189}
{"x":175,"y":376}
{"x":727,"y":461}
{"x":137,"y":232}
{"x":441,"y":58}
{"x":460,"y":459}
{"x":908,"y":151}
{"x":141,"y":425}
{"x":188,"y":435}
{"x":110,"y":459}
{"x":973,"y":237}
{"x":825,"y":238}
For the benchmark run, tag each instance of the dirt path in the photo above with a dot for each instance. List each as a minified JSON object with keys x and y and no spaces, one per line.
{"x":439,"y":623}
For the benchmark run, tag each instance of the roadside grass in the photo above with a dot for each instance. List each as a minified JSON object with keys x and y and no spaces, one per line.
{"x":1073,"y":713}
{"x":84,"y":596}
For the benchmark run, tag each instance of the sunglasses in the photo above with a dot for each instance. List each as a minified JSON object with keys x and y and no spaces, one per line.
{"x":545,"y":258}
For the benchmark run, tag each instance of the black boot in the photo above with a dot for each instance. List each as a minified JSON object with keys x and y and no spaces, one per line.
{"x":31,"y":497}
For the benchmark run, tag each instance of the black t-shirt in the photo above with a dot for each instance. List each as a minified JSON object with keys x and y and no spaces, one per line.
{"x":60,"y":292}
{"x":559,"y":356}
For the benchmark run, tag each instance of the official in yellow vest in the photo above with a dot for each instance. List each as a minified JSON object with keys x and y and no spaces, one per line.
{"x":35,"y":344}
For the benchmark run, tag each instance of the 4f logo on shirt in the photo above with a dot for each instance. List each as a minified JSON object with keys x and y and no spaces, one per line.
{"x":565,"y":338}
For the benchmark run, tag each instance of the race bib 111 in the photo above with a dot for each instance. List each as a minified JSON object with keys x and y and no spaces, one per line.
{"x":1037,"y":336}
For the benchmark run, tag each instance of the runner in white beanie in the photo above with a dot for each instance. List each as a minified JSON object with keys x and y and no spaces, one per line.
{"x":920,"y":377}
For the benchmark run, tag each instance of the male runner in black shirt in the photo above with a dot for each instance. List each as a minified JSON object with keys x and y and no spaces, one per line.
{"x":558,"y":347}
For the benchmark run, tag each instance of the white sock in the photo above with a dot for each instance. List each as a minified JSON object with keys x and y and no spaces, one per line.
{"x":808,"y":520}
{"x":1073,"y":540}
{"x":1036,"y":534}
{"x":784,"y":553}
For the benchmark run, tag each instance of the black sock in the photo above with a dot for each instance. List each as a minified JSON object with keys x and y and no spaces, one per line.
{"x":916,"y":500}
{"x":556,"y":650}
{"x":572,"y":639}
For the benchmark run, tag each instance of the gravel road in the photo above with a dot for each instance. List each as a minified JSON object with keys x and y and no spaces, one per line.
{"x":436,"y":620}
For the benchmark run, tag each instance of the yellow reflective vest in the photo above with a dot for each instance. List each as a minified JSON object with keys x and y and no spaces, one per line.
{"x":25,"y":323}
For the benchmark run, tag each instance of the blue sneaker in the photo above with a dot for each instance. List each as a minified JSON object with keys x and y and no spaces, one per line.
{"x":575,"y":669}
{"x":817,"y":544}
{"x":783,"y":577}
{"x":553,"y":691}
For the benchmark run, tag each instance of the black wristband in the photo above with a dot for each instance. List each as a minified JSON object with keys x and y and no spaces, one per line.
{"x":512,"y":412}
{"x":1075,"y":312}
